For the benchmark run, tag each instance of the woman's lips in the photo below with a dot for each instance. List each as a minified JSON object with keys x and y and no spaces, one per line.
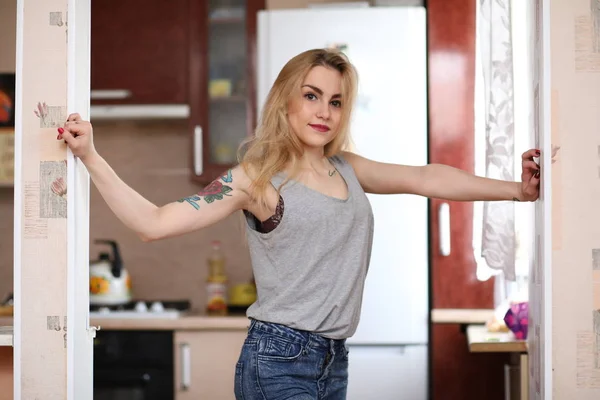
{"x":319,"y":128}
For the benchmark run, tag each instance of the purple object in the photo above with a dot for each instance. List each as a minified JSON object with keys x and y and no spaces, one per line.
{"x":517,"y":319}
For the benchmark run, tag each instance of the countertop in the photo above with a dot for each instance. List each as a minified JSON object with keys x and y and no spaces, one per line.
{"x":461,"y":316}
{"x":185,"y":322}
{"x":482,"y":341}
{"x":6,"y":336}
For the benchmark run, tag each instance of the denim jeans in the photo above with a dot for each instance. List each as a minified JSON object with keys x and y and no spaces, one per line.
{"x":277,"y":362}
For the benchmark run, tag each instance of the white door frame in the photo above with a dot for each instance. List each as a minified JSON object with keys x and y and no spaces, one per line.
{"x":76,"y":17}
{"x":79,"y":334}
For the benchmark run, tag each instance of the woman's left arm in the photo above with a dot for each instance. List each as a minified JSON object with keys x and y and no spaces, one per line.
{"x":445,"y":182}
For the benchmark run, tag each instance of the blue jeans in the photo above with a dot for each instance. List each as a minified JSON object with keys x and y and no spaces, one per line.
{"x":278,"y":362}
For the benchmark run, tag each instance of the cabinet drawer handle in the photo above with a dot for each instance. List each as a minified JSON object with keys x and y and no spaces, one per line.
{"x":444,"y":228}
{"x":186,"y":367}
{"x":110,"y":94}
{"x":198,"y":167}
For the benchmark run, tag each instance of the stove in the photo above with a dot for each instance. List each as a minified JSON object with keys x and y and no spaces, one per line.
{"x":141,"y":309}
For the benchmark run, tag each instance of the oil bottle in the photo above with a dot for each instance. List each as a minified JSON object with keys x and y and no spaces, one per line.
{"x":216,"y":281}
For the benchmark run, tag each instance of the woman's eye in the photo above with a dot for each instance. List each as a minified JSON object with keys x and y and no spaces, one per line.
{"x":310,"y":96}
{"x":336,"y":103}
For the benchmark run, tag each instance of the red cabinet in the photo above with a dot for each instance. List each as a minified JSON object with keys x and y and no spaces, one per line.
{"x":222,"y":71}
{"x":455,"y":373}
{"x":140,"y":53}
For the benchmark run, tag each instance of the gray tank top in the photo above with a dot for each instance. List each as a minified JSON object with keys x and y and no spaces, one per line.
{"x":310,"y":270}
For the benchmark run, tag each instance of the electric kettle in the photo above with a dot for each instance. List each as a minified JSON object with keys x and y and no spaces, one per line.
{"x":110,"y":283}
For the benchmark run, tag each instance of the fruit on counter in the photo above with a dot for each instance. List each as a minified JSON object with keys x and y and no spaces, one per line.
{"x":495,"y":325}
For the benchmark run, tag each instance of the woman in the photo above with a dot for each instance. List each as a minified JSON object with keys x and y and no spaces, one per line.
{"x":310,"y":224}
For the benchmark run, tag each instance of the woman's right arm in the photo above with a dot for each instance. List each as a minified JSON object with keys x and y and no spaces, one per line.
{"x":221,"y":198}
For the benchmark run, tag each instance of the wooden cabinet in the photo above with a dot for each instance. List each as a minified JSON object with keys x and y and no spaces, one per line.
{"x":139,"y":52}
{"x":190,"y":59}
{"x":222,"y":72}
{"x":205,"y":363}
{"x":6,"y":372}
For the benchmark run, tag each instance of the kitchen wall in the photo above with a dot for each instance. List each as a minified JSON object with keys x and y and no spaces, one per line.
{"x":153,"y":158}
{"x":575,"y":126}
{"x":8,"y":27}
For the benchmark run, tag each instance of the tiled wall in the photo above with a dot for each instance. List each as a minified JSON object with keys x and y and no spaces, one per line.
{"x":154,"y":159}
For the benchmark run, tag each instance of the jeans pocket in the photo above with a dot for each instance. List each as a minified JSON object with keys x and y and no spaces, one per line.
{"x":279,"y":349}
{"x":239,"y":384}
{"x":345,"y":352}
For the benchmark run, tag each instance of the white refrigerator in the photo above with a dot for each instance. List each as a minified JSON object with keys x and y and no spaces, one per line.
{"x":388,"y":353}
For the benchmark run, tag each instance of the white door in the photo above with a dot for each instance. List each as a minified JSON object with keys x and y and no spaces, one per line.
{"x":539,"y":337}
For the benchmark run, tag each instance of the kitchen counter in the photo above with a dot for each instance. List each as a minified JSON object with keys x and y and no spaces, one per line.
{"x":482,"y":341}
{"x":479,"y":340}
{"x":6,"y":335}
{"x":185,"y":322}
{"x":461,"y":316}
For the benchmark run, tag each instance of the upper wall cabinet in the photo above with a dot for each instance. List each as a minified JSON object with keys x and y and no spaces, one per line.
{"x":179,"y":59}
{"x":141,"y":53}
{"x":223,"y":110}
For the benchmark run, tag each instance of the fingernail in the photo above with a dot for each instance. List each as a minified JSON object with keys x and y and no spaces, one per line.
{"x":60,"y":130}
{"x":537,"y":152}
{"x":537,"y":174}
{"x":57,"y":137}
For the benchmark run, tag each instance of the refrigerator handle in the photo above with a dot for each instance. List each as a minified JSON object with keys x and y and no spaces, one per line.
{"x":444,"y":228}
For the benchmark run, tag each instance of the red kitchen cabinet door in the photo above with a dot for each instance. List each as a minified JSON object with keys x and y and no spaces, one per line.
{"x":140,"y":52}
{"x":223,"y":71}
{"x":454,"y":372}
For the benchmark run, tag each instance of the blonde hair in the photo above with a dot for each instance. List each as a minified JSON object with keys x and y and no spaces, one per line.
{"x":274,"y":146}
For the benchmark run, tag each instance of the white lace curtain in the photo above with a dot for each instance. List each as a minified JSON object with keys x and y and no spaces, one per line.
{"x":494,"y":233}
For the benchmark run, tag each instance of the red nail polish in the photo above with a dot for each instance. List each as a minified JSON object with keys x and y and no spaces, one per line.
{"x":57,"y":137}
{"x":60,"y":130}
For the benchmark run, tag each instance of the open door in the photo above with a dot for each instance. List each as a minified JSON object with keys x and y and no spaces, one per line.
{"x":539,"y":338}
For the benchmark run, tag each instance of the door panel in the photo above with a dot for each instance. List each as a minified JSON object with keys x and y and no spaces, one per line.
{"x":392,"y":372}
{"x":451,"y":51}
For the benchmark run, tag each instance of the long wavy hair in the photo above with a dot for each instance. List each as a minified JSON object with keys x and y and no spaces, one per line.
{"x":274,"y":146}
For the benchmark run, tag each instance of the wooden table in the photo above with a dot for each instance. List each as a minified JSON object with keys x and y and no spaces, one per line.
{"x":482,"y":341}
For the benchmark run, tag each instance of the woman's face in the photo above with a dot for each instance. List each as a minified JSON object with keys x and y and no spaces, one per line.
{"x":315,"y":115}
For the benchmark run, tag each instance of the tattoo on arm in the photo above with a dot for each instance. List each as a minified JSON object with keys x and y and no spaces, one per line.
{"x":216,"y":190}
